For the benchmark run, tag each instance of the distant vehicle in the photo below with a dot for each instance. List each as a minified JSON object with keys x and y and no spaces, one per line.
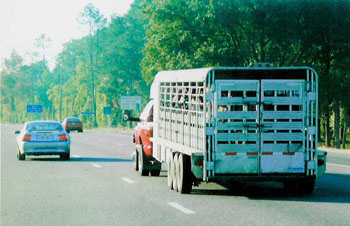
{"x":73,"y":123}
{"x":212,"y":124}
{"x":43,"y":138}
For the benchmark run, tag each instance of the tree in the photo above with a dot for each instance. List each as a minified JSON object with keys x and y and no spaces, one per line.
{"x":91,"y":16}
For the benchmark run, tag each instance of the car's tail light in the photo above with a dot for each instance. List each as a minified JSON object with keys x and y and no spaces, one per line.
{"x":27,"y":137}
{"x":63,"y":137}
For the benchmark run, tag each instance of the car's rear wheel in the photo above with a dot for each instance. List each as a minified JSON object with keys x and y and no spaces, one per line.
{"x":68,"y":131}
{"x":20,"y":156}
{"x":80,"y":130}
{"x":65,"y":156}
{"x":136,"y":160}
{"x":142,"y":170}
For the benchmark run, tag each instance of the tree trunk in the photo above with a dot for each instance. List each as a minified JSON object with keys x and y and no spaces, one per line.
{"x":344,"y":135}
{"x":336,"y":124}
{"x":328,"y":130}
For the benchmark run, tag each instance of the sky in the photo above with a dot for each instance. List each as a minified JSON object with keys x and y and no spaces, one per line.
{"x":23,"y":21}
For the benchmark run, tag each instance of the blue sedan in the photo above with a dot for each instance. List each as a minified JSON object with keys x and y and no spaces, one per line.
{"x":43,"y":138}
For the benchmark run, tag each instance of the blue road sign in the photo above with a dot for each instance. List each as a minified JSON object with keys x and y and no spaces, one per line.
{"x":87,"y":113}
{"x":34,"y":108}
{"x":107,"y":110}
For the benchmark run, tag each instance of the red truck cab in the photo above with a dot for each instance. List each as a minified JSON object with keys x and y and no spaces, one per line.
{"x":143,"y":132}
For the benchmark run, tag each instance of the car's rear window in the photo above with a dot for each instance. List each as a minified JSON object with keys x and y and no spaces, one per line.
{"x":73,"y":120}
{"x":44,"y":126}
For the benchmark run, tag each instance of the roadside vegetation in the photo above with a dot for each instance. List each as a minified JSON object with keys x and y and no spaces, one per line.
{"x":121,"y":57}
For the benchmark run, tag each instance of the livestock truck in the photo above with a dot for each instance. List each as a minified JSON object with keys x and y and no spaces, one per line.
{"x":255,"y":123}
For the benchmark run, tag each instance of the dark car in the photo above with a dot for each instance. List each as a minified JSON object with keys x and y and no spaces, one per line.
{"x":72,"y":123}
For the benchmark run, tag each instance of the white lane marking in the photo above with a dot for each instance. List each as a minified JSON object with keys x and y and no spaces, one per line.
{"x":128,"y":180}
{"x":181,"y":208}
{"x":96,"y":165}
{"x":76,"y":156}
{"x":332,"y":164}
{"x":119,"y":144}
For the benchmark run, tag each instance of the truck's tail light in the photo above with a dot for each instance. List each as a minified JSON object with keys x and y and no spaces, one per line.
{"x":27,"y":137}
{"x":63,"y":137}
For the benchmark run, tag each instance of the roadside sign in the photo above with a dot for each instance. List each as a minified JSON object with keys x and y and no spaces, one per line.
{"x":87,"y":113}
{"x":130,"y":102}
{"x":107,"y":110}
{"x":34,"y":108}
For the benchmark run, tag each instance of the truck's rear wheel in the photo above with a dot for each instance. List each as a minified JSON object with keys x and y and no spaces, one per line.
{"x":173,"y":170}
{"x":183,"y":174}
{"x":170,"y":173}
{"x":306,"y":187}
{"x":155,"y":173}
{"x":301,"y":187}
{"x":142,"y":170}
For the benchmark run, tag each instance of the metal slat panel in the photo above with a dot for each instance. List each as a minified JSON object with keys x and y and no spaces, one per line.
{"x":282,"y":85}
{"x":282,"y":147}
{"x":239,"y":148}
{"x":237,"y":137}
{"x":283,"y":136}
{"x":239,"y":86}
{"x":229,"y":125}
{"x":237,"y":115}
{"x":284,"y":125}
{"x":282,"y":114}
{"x":284,"y":100}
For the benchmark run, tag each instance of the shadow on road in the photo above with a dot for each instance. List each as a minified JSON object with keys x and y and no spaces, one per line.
{"x":331,"y":188}
{"x":82,"y":159}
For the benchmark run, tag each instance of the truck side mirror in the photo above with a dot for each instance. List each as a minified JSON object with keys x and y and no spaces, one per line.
{"x":126,"y":115}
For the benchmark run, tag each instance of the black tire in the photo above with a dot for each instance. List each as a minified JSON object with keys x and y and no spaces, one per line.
{"x":306,"y":187}
{"x":68,"y":131}
{"x":155,"y":173}
{"x":65,"y":156}
{"x":21,"y":157}
{"x":136,"y":161}
{"x":183,"y":174}
{"x":80,"y":130}
{"x":142,"y":170}
{"x":173,"y":170}
{"x":169,"y":173}
{"x":301,"y":187}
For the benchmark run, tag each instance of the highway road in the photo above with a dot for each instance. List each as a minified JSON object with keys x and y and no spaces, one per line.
{"x":99,"y":187}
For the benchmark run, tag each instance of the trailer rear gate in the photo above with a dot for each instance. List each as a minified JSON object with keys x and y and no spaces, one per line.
{"x":263,"y":126}
{"x":259,"y":126}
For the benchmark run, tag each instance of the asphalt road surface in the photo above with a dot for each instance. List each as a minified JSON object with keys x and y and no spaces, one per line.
{"x":99,"y":187}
